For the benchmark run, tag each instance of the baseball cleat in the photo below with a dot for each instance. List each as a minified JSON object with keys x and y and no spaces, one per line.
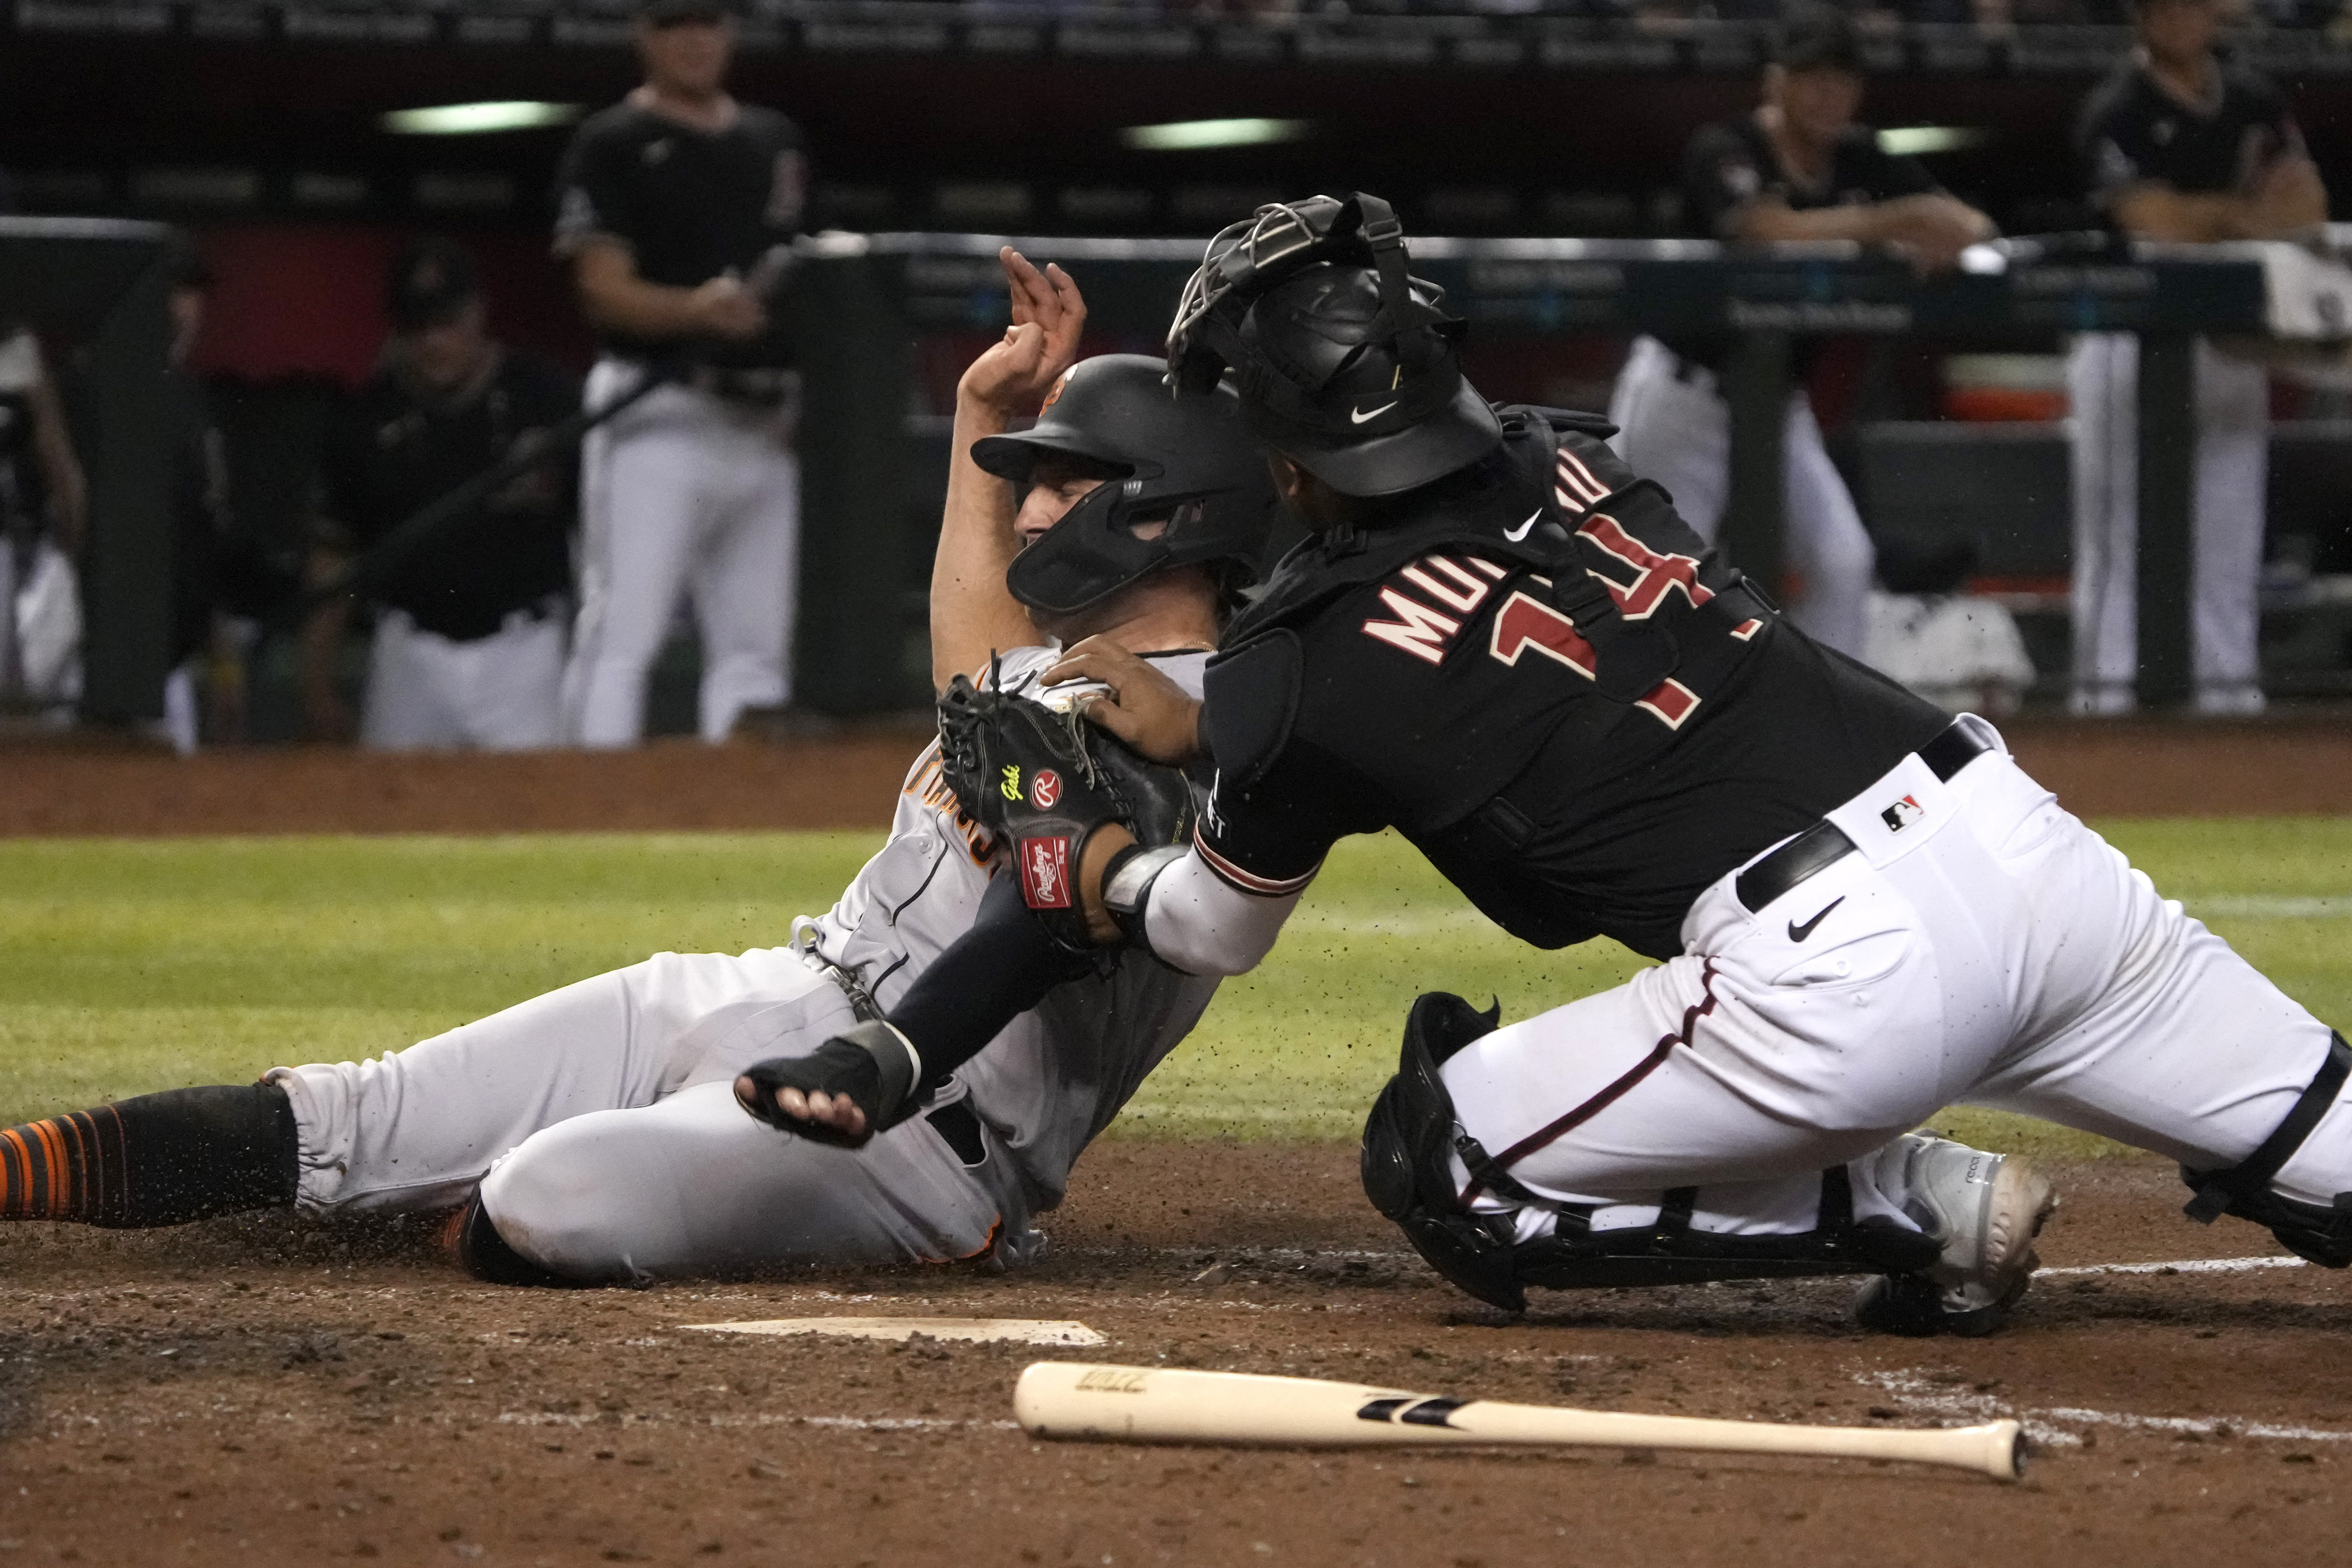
{"x":1986,"y":1209}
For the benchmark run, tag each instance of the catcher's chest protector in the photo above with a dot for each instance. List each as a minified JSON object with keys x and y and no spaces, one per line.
{"x":1557,"y":609}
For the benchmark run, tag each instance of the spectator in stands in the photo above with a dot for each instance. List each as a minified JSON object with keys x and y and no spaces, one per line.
{"x":1798,"y":167}
{"x":2181,"y":145}
{"x":469,"y":623}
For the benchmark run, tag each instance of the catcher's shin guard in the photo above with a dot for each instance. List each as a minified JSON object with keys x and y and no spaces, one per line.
{"x":2322,"y":1234}
{"x":1409,"y":1177}
{"x":1406,"y":1141}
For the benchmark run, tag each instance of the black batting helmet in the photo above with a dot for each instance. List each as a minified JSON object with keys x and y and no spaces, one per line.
{"x":1187,"y":483}
{"x":1346,"y":362}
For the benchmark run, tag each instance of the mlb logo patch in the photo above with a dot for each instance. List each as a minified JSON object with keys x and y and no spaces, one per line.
{"x":1902,"y":813}
{"x":1046,"y":872}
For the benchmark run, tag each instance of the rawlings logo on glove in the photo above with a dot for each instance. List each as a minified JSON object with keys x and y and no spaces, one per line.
{"x":1043,"y":780}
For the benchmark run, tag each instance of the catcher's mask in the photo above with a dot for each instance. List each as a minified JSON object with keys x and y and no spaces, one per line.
{"x":1345,"y":363}
{"x":1189,"y":484}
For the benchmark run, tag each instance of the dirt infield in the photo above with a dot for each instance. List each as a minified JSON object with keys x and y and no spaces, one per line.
{"x":2139,"y":768}
{"x":257,"y":1391}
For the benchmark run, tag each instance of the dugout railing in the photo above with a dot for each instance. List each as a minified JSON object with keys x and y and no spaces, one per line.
{"x":868,"y":489}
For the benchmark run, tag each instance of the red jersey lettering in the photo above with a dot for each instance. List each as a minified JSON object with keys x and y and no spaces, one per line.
{"x":1523,"y":623}
{"x":1660,"y":575}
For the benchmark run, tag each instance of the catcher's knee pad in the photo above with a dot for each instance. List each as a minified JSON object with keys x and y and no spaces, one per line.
{"x":1408,"y":1176}
{"x":1406,"y":1172}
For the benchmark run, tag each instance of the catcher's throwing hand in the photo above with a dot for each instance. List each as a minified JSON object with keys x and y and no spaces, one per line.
{"x":1141,"y":706}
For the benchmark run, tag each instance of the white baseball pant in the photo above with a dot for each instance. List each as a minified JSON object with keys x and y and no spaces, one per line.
{"x":2232,"y":469}
{"x":1990,"y":949}
{"x":601,"y":1122}
{"x":498,"y":693}
{"x":1673,"y":426}
{"x":685,"y":491}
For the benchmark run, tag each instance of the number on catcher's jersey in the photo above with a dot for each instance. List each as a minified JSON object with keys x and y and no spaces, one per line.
{"x":1424,"y":630}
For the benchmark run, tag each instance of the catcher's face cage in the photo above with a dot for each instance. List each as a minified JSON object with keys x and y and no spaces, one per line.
{"x":1247,"y":259}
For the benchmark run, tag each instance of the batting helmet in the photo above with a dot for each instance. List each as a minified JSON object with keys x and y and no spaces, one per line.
{"x":1346,"y":363}
{"x":1187,"y":483}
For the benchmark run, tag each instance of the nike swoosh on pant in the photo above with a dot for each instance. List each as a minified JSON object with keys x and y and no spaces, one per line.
{"x":1799,"y":932}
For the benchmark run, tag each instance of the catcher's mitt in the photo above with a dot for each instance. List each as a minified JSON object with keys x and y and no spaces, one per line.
{"x":1042,"y":781}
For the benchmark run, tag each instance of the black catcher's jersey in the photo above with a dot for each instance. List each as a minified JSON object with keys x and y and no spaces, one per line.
{"x":690,"y":204}
{"x":2134,"y":132}
{"x":391,"y":453}
{"x":1544,"y":679}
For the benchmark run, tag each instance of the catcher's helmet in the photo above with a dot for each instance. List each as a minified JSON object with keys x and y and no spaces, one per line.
{"x":1189,"y":485}
{"x":1345,"y":363}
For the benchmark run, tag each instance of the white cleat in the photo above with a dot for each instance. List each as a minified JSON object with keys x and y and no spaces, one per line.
{"x":1986,"y":1209}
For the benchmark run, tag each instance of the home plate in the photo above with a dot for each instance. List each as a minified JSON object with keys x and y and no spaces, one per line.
{"x":1016,"y":1330}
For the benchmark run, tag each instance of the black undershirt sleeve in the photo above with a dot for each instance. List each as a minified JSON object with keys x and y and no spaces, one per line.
{"x":992,"y":973}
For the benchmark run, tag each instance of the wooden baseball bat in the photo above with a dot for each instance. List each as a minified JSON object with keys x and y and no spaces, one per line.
{"x":1166,"y":1405}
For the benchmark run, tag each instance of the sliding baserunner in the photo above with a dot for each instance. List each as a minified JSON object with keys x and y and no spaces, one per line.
{"x":592,"y":1134}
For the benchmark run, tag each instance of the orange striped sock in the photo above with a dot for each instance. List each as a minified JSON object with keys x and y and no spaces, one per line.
{"x":154,"y":1159}
{"x":64,"y":1168}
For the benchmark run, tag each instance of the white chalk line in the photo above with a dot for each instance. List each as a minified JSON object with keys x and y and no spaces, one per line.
{"x":2047,"y":1424}
{"x":2179,"y":1266}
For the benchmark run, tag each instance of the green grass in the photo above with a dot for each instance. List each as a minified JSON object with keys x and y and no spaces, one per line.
{"x":127,"y":966}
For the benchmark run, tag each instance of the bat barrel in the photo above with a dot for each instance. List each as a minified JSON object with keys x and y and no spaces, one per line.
{"x":1151,"y":1404}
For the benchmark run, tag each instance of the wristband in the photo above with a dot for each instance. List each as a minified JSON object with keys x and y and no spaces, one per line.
{"x":1127,"y":886}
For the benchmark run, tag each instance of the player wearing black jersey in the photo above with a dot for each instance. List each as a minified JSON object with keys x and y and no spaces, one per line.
{"x":1503,"y":642}
{"x":468,"y":643}
{"x":1797,"y":168}
{"x":673,"y":208}
{"x":2183,"y":144}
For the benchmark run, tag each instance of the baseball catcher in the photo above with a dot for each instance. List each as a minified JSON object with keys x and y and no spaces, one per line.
{"x":1505,"y":643}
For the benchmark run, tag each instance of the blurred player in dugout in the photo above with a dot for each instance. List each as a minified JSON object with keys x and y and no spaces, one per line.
{"x":469,"y":627}
{"x":1797,"y":168}
{"x":2179,"y":144}
{"x":673,"y":208}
